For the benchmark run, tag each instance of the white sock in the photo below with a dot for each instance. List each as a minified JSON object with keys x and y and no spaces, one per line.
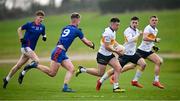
{"x":104,"y":77}
{"x":137,"y":75}
{"x":8,"y":78}
{"x":156,"y":78}
{"x":116,"y":85}
{"x":83,"y":70}
{"x":23,"y":72}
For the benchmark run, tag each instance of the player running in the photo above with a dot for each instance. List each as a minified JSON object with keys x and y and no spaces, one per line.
{"x":28,"y":43}
{"x":105,"y":55}
{"x":131,"y":35}
{"x":145,"y":50}
{"x":58,"y":56}
{"x":146,"y":46}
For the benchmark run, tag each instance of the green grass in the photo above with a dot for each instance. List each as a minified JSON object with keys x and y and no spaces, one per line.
{"x":93,"y":25}
{"x":38,"y":86}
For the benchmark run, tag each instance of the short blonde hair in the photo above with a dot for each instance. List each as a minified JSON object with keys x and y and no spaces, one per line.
{"x":40,"y":13}
{"x":75,"y":15}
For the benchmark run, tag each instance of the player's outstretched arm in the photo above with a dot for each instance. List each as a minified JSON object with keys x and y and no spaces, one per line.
{"x":88,"y":43}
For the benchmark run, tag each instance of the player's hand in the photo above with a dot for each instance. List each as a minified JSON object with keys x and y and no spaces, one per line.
{"x":157,"y":40}
{"x":93,"y":46}
{"x":156,"y":49}
{"x":140,"y":32}
{"x":44,"y":38}
{"x":23,"y":41}
{"x":80,"y":29}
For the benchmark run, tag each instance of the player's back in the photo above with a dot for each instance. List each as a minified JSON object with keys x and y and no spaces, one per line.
{"x":68,"y":34}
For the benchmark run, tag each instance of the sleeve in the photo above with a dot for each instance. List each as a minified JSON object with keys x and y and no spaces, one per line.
{"x":25,"y":26}
{"x":129,"y":36}
{"x":43,"y":32}
{"x":106,"y":36}
{"x":80,"y":34}
{"x":147,"y":30}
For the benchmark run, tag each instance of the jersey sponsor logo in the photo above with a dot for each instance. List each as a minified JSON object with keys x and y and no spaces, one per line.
{"x":65,"y":32}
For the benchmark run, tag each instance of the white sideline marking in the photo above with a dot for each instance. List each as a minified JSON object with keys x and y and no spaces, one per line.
{"x":82,"y":57}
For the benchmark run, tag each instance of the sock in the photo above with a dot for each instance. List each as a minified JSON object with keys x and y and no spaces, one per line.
{"x":65,"y":86}
{"x":137,"y":75}
{"x":83,"y":70}
{"x":23,"y":72}
{"x":104,"y":77}
{"x":156,"y":78}
{"x":7,"y":78}
{"x":116,"y":85}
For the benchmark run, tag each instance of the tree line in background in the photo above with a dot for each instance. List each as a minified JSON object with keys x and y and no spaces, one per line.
{"x":104,"y":6}
{"x":116,"y":6}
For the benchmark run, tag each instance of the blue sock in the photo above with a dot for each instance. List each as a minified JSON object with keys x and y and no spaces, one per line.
{"x":65,"y":86}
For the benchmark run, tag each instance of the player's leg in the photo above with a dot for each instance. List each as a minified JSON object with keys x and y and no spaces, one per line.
{"x":157,"y":61}
{"x":32,"y":55}
{"x":23,"y":59}
{"x":67,"y":64}
{"x":117,"y":70}
{"x":128,"y":67}
{"x":102,"y":63}
{"x":52,"y":71}
{"x":35,"y":60}
{"x":141,"y":62}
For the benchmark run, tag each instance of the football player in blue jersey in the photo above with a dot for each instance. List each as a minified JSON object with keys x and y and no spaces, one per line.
{"x":59,"y":57}
{"x":28,"y":43}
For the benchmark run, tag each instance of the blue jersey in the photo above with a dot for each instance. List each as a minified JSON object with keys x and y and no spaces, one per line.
{"x":32,"y":34}
{"x":69,"y":33}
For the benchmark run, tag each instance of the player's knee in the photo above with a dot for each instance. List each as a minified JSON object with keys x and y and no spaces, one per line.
{"x":52,"y":74}
{"x":100,"y":74}
{"x":118,"y":69}
{"x":72,"y":70}
{"x":159,"y":62}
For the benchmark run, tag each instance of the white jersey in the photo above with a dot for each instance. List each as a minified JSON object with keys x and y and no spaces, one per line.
{"x":130,"y":44}
{"x":108,"y":36}
{"x":147,"y":45}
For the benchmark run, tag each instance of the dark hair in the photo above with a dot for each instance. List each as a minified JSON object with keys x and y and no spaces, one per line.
{"x":115,"y":19}
{"x":40,"y":13}
{"x":153,"y":16}
{"x":75,"y":15}
{"x":135,"y":18}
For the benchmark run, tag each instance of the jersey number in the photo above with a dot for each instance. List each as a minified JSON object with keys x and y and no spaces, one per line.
{"x":65,"y":32}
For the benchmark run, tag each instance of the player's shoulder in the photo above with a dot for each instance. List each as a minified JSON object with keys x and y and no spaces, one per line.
{"x":108,"y":31}
{"x":127,"y":30}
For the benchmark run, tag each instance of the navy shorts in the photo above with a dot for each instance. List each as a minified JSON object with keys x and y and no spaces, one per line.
{"x":123,"y":60}
{"x":104,"y":60}
{"x":143,"y":54}
{"x":58,"y":55}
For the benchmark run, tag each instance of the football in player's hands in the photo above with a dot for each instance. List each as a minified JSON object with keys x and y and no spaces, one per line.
{"x":120,"y":49}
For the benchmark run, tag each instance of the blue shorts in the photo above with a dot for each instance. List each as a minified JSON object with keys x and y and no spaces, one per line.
{"x":58,"y":55}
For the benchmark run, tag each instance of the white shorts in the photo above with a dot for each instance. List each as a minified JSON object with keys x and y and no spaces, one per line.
{"x":26,"y":50}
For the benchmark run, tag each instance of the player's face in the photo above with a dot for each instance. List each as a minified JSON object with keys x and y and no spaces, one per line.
{"x":134,"y":23}
{"x":78,"y":20}
{"x":115,"y":25}
{"x":153,"y":21}
{"x":39,"y":19}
